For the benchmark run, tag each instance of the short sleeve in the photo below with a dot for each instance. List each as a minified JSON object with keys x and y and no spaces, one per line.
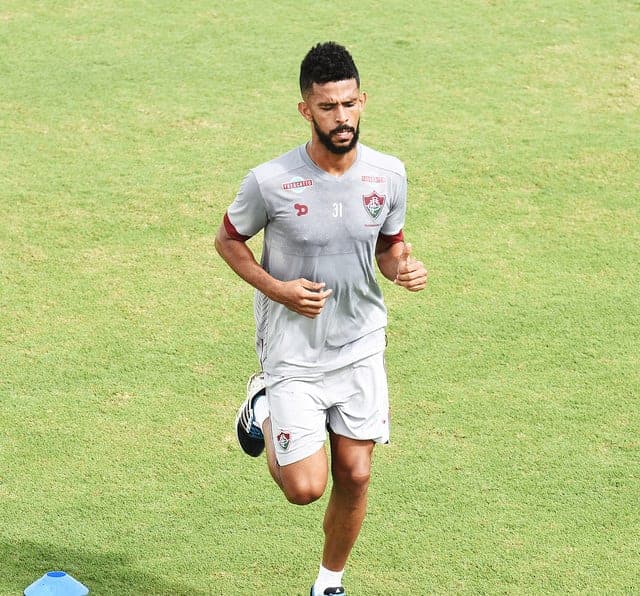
{"x":247,"y":214}
{"x":394,"y":222}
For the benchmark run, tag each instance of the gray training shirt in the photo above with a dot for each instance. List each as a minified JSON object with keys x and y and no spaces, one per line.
{"x":322,"y":228}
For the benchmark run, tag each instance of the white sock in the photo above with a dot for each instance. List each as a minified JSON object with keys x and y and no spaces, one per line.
{"x":327,"y":579}
{"x":260,"y":410}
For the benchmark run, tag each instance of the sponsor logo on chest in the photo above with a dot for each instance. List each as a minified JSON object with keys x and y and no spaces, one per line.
{"x":373,"y":179}
{"x":297,"y":184}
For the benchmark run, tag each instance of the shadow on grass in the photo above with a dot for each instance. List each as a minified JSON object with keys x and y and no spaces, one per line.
{"x":104,"y":573}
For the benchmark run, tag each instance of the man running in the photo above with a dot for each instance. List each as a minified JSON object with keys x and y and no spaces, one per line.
{"x":329,"y":209}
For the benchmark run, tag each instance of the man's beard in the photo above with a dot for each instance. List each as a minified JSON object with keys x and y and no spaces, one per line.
{"x":325,"y":139}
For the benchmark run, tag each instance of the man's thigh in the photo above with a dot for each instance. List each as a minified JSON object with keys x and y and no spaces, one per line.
{"x":361,"y":408}
{"x":298,"y":418}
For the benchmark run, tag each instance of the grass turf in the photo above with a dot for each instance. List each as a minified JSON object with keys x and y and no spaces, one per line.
{"x":125,"y":129}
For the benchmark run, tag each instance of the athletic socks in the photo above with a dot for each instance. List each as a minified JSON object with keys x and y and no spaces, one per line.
{"x":327,"y":579}
{"x":260,"y":410}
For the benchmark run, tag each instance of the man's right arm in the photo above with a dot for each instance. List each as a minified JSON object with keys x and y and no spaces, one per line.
{"x":302,"y":296}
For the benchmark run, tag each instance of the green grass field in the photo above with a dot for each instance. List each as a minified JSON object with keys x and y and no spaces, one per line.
{"x":125,"y":341}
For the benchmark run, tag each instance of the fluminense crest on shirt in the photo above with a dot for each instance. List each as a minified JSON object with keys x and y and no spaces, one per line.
{"x":373,"y":203}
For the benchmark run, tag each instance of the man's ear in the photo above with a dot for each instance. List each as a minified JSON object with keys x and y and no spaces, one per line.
{"x":363,"y":100}
{"x":303,"y":108}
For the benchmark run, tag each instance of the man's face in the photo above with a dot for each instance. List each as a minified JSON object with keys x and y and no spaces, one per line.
{"x":334,"y":110}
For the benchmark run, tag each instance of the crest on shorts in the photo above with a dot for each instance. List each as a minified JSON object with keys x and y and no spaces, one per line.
{"x":373,"y":203}
{"x":284,"y":439}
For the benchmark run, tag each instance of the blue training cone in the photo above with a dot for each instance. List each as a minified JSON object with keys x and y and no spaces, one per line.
{"x":56,"y":583}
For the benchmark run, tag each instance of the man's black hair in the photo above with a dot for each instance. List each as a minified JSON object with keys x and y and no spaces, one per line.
{"x":325,"y":63}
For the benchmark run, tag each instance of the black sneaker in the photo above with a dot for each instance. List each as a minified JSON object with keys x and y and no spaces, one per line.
{"x":330,"y":591}
{"x":248,"y":432}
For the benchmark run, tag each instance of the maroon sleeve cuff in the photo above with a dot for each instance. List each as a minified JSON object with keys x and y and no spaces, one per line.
{"x":394,"y":238}
{"x":231,"y":230}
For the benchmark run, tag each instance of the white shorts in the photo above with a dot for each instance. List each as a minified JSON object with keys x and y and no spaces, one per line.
{"x":352,"y":401}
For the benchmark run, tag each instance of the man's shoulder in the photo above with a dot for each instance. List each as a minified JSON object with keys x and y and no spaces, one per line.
{"x":287,"y":162}
{"x":382,"y":161}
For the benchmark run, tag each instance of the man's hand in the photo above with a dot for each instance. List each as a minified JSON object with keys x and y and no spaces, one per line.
{"x":305,"y":297}
{"x":411,"y":274}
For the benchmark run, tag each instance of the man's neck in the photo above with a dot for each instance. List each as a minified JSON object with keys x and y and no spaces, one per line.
{"x":332,"y":163}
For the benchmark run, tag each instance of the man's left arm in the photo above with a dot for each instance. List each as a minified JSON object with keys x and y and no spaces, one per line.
{"x":397,"y":265}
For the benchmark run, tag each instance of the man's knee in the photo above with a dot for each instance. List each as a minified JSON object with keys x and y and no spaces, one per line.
{"x":303,"y":482}
{"x":302,"y":492}
{"x":354,"y":479}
